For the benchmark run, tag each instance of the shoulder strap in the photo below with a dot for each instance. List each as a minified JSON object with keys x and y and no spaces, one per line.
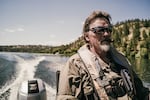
{"x":89,"y":65}
{"x":87,"y":60}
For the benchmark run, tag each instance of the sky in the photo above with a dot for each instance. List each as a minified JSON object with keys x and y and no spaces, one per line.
{"x":57,"y":22}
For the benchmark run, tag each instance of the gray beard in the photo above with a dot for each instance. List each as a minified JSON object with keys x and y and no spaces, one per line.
{"x":105,"y":47}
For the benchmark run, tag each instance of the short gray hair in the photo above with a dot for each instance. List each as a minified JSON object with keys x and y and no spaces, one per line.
{"x":93,"y":16}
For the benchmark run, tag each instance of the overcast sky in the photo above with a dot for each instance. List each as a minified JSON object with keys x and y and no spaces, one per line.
{"x":55,"y":22}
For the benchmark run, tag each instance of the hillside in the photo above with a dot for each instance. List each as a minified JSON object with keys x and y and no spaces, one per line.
{"x":131,"y":37}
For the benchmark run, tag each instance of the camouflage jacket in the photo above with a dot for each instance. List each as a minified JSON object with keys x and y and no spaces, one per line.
{"x":75,"y":83}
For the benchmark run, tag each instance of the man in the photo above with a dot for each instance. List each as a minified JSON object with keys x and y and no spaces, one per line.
{"x":97,"y":71}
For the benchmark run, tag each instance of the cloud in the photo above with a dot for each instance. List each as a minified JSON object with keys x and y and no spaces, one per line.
{"x":12,"y":30}
{"x":9,"y":30}
{"x":20,"y":29}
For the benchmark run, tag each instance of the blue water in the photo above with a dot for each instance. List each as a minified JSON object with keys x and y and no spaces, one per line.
{"x":18,"y":67}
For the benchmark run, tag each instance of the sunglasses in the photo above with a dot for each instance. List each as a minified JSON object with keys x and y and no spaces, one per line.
{"x":101,"y":30}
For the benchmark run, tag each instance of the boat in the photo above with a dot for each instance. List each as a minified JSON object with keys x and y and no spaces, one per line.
{"x":32,"y":90}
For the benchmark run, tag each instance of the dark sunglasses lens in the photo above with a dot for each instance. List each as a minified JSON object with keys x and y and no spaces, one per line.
{"x":109,"y":29}
{"x":100,"y":30}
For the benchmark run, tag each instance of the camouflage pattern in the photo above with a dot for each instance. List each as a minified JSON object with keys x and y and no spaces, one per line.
{"x":74,"y":80}
{"x":76,"y":83}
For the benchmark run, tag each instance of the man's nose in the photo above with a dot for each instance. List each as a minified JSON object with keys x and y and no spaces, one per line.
{"x":106,"y":33}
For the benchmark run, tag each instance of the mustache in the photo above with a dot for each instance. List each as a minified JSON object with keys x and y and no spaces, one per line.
{"x":107,"y":39}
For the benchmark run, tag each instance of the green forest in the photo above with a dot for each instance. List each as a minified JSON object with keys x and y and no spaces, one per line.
{"x":131,"y":37}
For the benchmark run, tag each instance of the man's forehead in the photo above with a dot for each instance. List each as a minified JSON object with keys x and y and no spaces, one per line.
{"x":99,"y":22}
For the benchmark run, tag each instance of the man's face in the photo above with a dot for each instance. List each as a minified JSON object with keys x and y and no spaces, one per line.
{"x":99,"y":36}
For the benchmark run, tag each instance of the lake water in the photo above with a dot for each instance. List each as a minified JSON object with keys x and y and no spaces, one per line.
{"x":142,"y":67}
{"x":18,"y":67}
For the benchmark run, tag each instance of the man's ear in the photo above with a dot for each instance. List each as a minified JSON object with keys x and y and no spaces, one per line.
{"x":86,"y":37}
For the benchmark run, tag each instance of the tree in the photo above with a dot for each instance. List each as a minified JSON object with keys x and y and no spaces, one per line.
{"x":126,"y":29}
{"x":116,"y":38}
{"x":146,"y":23}
{"x":144,"y":34}
{"x":136,"y":34}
